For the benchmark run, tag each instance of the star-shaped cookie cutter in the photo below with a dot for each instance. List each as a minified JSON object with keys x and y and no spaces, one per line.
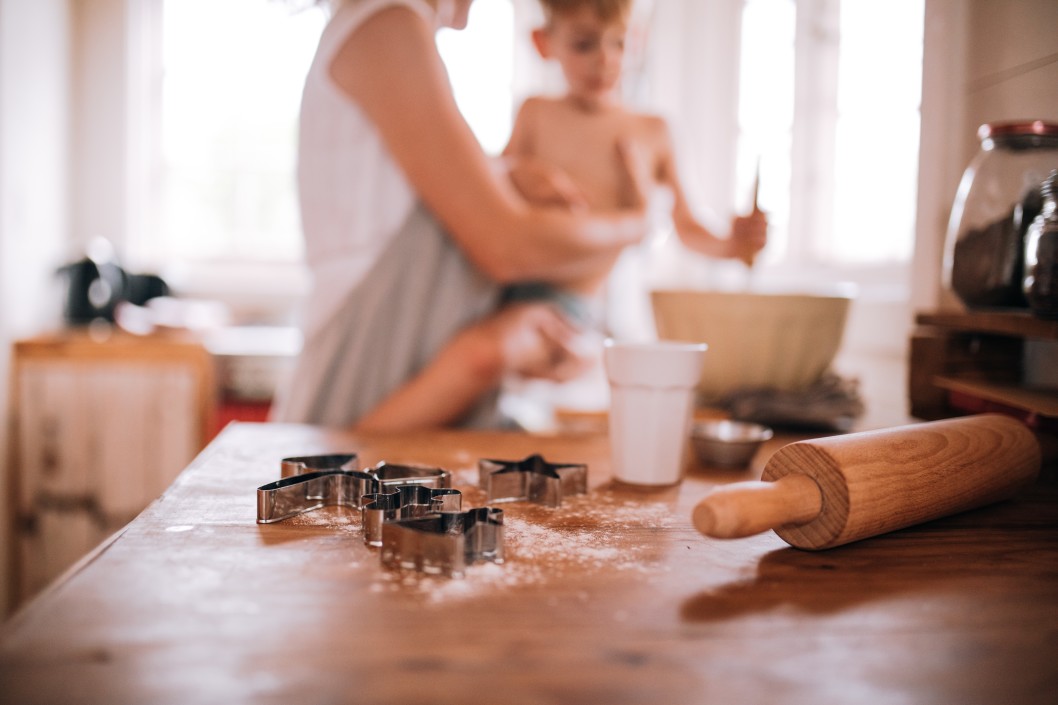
{"x":531,"y":479}
{"x":404,"y":502}
{"x":315,"y":481}
{"x":444,"y":543}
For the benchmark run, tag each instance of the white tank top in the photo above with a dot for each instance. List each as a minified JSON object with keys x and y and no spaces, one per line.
{"x":353,"y":195}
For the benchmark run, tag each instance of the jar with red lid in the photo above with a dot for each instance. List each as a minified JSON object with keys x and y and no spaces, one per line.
{"x":1041,"y":253}
{"x":997,"y":200}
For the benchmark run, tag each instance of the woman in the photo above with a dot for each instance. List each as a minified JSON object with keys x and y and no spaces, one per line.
{"x":410,"y":230}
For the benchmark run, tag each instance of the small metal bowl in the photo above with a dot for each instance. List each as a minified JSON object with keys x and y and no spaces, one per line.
{"x":730,"y":444}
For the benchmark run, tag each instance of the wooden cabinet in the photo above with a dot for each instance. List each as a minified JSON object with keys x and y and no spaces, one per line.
{"x":102,"y":426}
{"x":969,"y":362}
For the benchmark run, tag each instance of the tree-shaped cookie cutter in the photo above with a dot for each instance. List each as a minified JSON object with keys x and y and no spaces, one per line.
{"x":444,"y":543}
{"x":404,"y":502}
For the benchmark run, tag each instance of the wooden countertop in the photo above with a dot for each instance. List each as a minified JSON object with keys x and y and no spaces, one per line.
{"x":612,"y":598}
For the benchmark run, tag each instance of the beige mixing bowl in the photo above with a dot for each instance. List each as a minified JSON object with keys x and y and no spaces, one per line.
{"x":756,"y":340}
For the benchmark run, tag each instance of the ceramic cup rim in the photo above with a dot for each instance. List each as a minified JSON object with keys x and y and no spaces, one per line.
{"x":656,"y":364}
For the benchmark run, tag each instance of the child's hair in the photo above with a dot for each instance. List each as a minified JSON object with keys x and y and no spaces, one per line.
{"x":606,"y":9}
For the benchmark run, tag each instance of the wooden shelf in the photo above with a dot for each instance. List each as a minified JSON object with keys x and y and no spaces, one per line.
{"x":1034,"y":401}
{"x":977,"y":358}
{"x":1021,"y":324}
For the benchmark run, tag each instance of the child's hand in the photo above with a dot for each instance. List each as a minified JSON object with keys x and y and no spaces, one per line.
{"x":535,"y":340}
{"x":544,"y":185}
{"x":749,"y":235}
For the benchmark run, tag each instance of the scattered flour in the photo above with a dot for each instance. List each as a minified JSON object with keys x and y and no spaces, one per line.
{"x":588,"y":534}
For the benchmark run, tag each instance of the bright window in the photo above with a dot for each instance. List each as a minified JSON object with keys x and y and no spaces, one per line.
{"x":232,"y":74}
{"x":830,"y":106}
{"x":876,"y":151}
{"x":231,"y":81}
{"x":766,"y":110}
{"x":480,"y":61}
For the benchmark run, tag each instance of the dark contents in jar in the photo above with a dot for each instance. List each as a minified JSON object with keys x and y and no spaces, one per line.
{"x":987,"y":263}
{"x":1043,"y":293}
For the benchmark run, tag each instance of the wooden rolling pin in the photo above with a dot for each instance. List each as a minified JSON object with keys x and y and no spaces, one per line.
{"x":831,"y":491}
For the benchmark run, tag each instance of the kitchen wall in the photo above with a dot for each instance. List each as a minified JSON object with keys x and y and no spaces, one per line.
{"x":1012,"y":67}
{"x":985,"y":60}
{"x":34,"y":170}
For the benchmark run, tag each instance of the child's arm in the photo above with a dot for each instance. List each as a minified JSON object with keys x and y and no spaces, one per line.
{"x":748,"y":233}
{"x":529,"y":339}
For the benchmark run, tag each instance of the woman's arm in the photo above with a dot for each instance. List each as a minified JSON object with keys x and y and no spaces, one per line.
{"x":520,"y":143}
{"x":391,"y":68}
{"x":528,"y":339}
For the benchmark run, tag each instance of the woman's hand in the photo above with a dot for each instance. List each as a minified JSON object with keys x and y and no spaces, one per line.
{"x":541,"y":184}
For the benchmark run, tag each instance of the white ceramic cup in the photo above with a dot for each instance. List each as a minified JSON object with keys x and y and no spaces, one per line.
{"x":651,"y":408}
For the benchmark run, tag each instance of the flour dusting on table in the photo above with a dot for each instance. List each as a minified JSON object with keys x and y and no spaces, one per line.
{"x":601,"y":531}
{"x":588,"y":534}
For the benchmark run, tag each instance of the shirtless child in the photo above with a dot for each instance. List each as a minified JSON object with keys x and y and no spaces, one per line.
{"x":580,"y":134}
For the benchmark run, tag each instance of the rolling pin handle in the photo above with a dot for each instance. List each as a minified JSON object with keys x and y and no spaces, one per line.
{"x":748,"y":508}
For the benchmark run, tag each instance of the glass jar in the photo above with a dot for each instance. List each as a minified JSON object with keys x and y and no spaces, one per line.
{"x":997,"y":199}
{"x":1041,"y":253}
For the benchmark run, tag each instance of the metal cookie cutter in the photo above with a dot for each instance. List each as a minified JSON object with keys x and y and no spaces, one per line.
{"x":532,"y":479}
{"x":404,"y":502}
{"x":444,"y":543}
{"x":302,"y":465}
{"x":328,"y":484}
{"x":397,"y":475}
{"x":295,"y":495}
